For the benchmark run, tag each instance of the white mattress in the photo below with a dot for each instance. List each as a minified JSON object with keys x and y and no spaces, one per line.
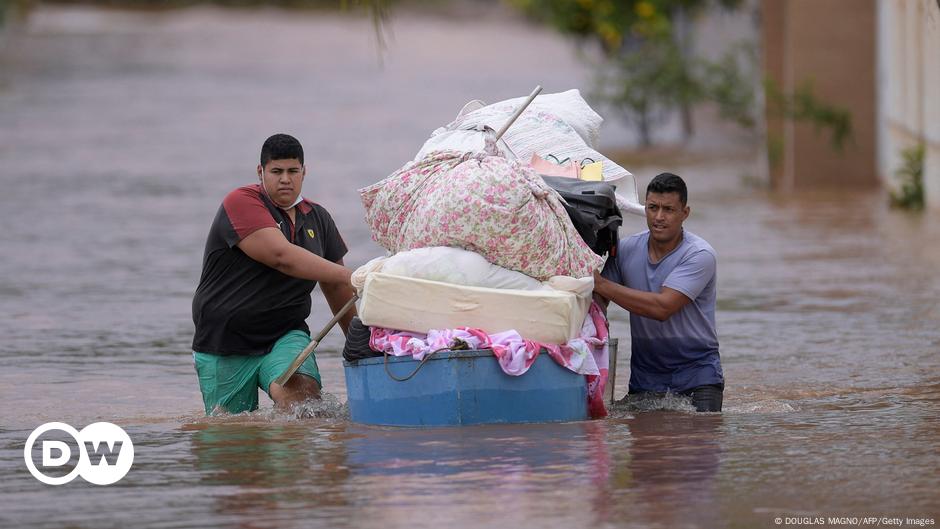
{"x":419,"y":305}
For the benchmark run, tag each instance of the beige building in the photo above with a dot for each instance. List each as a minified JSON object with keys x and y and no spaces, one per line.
{"x":878,"y":59}
{"x":909,"y":88}
{"x":830,"y":44}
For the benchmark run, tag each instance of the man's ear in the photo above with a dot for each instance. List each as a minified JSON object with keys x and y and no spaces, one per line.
{"x":260,"y":172}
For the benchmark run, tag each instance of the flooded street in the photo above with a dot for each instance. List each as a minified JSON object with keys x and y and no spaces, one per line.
{"x":120,"y":133}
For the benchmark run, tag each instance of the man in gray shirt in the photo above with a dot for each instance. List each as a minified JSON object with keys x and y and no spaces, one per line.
{"x":665,"y":278}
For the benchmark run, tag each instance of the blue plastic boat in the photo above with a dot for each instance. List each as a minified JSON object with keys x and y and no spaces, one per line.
{"x":456,"y":388}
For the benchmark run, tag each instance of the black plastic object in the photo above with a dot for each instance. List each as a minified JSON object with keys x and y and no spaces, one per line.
{"x":592,"y":207}
{"x":357,"y":342}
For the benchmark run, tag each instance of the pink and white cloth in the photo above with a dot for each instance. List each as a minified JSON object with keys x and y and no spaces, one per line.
{"x":587,"y":354}
{"x":498,"y":208}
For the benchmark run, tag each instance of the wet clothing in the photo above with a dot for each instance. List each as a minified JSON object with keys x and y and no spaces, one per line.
{"x":230,"y":383}
{"x":242,"y":306}
{"x":681,"y":353}
{"x":706,"y":398}
{"x":703,"y":399}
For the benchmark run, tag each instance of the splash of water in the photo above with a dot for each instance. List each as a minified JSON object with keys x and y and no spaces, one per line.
{"x":763,"y":406}
{"x":665,"y":402}
{"x":326,"y":407}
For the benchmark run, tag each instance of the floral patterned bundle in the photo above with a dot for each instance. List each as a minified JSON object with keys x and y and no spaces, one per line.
{"x":498,"y":208}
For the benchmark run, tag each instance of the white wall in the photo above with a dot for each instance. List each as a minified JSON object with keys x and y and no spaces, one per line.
{"x":909,"y":88}
{"x":932,"y":102}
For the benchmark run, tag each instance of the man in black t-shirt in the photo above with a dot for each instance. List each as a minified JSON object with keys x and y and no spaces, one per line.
{"x":267,"y":249}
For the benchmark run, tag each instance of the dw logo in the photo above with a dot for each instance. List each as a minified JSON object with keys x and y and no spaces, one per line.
{"x":105,"y":453}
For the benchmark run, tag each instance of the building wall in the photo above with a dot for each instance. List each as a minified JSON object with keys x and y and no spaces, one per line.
{"x":830,"y":43}
{"x":931,"y":95}
{"x":909,"y":88}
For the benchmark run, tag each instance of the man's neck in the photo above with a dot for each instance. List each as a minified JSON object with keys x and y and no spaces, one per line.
{"x":658,"y":250}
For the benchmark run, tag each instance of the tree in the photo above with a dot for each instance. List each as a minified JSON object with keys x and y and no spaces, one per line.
{"x":649,"y":70}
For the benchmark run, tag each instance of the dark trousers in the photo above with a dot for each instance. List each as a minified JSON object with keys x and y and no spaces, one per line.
{"x":704,"y":398}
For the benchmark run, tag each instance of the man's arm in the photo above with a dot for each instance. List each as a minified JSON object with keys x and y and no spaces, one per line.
{"x":600,"y":300}
{"x":269,"y":246}
{"x":337,"y":294}
{"x":658,"y":306}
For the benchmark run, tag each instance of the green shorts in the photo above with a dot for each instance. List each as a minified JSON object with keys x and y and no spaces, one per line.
{"x":230,"y":383}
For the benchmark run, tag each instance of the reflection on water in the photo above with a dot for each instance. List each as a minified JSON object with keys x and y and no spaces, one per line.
{"x":267,"y":467}
{"x":601,"y":472}
{"x":673,"y":460}
{"x":120,"y":133}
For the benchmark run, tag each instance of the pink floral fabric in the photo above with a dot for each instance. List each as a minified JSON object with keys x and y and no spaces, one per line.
{"x":587,"y":355}
{"x":496,"y":207}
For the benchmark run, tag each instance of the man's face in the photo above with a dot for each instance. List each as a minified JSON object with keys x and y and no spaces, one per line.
{"x":282,"y":180}
{"x":665,"y":215}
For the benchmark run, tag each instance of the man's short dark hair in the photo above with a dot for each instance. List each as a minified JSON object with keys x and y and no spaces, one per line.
{"x":669,"y":183}
{"x":281,"y":147}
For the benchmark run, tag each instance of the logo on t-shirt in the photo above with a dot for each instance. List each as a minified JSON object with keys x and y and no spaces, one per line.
{"x":310,"y":233}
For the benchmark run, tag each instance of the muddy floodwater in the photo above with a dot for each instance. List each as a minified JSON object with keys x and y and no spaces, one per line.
{"x":121,"y":132}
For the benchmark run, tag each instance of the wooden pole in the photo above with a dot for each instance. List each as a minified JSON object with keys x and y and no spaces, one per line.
{"x":295,"y":365}
{"x":518,"y":112}
{"x":612,"y":344}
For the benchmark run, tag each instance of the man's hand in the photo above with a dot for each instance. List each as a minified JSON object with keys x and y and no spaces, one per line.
{"x":337,"y":294}
{"x":599,"y":299}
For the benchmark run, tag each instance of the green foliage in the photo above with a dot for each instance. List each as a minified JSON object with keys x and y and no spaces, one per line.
{"x":774,"y":150}
{"x":649,"y":81}
{"x":646,"y":83}
{"x":648,"y":73}
{"x":376,"y":7}
{"x":910,"y":175}
{"x":804,"y":105}
{"x":613,"y":23}
{"x":728,"y":83}
{"x":378,"y":10}
{"x":13,"y":10}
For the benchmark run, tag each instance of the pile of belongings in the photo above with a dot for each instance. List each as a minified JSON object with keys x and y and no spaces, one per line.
{"x":493,"y":243}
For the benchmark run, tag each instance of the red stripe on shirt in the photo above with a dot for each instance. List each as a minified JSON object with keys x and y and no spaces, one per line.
{"x":246,"y":211}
